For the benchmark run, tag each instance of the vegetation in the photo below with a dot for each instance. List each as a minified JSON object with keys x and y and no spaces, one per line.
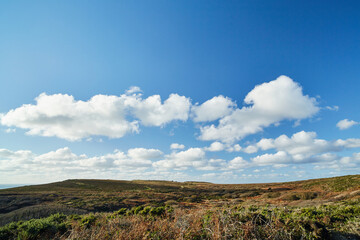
{"x":106,"y":209}
{"x":235,"y":222}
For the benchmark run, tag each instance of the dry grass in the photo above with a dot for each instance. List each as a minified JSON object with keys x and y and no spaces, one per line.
{"x":337,"y":221}
{"x":245,"y":223}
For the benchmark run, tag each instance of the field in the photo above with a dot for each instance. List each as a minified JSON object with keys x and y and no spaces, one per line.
{"x":109,"y":209}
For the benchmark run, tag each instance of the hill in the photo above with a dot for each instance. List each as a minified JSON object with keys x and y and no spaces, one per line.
{"x":90,"y":196}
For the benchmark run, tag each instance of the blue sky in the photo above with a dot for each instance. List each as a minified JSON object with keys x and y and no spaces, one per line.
{"x":203,"y":59}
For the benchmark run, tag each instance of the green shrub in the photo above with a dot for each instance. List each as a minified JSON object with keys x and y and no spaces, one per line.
{"x":121,"y":211}
{"x":88,"y":221}
{"x":158,"y":211}
{"x":138,"y":209}
{"x":35,"y":228}
{"x":145,"y":211}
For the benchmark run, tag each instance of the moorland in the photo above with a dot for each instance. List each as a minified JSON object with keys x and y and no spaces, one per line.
{"x":326,"y":208}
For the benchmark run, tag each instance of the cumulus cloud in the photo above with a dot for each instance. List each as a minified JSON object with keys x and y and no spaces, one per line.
{"x":250,"y":149}
{"x":20,"y":156}
{"x":213,"y":109}
{"x":234,"y":148}
{"x":348,"y":143}
{"x":175,"y":146}
{"x":351,"y":161}
{"x":63,"y":159}
{"x":215,"y":147}
{"x":196,"y":158}
{"x":133,"y":89}
{"x":280,"y":157}
{"x":63,"y":162}
{"x":152,"y":112}
{"x":62,"y":156}
{"x":269,"y":103}
{"x":346,"y":123}
{"x":192,"y":157}
{"x":143,"y":153}
{"x":237,"y":163}
{"x":338,"y":163}
{"x":306,"y":143}
{"x":301,"y":147}
{"x":62,"y":116}
{"x":141,"y":162}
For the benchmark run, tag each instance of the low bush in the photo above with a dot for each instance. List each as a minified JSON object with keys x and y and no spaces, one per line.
{"x":88,"y":220}
{"x":35,"y":228}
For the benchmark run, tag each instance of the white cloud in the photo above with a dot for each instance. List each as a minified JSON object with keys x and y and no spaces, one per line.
{"x":175,"y":146}
{"x":143,"y":153}
{"x":280,"y":157}
{"x":213,"y":109}
{"x":333,"y":108}
{"x":192,"y":157}
{"x":340,"y":163}
{"x":346,"y":123}
{"x":62,"y":156}
{"x":215,"y":147}
{"x":234,"y":148}
{"x":304,"y":144}
{"x":63,"y":161}
{"x":10,"y":130}
{"x":62,"y":116}
{"x":21,"y":155}
{"x":250,"y":149}
{"x":144,"y":163}
{"x":266,"y":143}
{"x":302,"y":147}
{"x":133,"y":89}
{"x":270,"y":103}
{"x":237,"y":163}
{"x":354,"y":159}
{"x":152,"y":112}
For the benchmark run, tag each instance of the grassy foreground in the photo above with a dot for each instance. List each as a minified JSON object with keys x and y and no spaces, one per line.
{"x":106,"y":209}
{"x":340,"y":221}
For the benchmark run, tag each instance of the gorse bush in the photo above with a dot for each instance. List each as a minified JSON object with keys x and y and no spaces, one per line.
{"x":88,"y":221}
{"x":36,"y":228}
{"x":142,"y":211}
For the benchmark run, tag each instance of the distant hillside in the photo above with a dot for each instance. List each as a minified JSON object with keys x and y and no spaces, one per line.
{"x":336,"y":184}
